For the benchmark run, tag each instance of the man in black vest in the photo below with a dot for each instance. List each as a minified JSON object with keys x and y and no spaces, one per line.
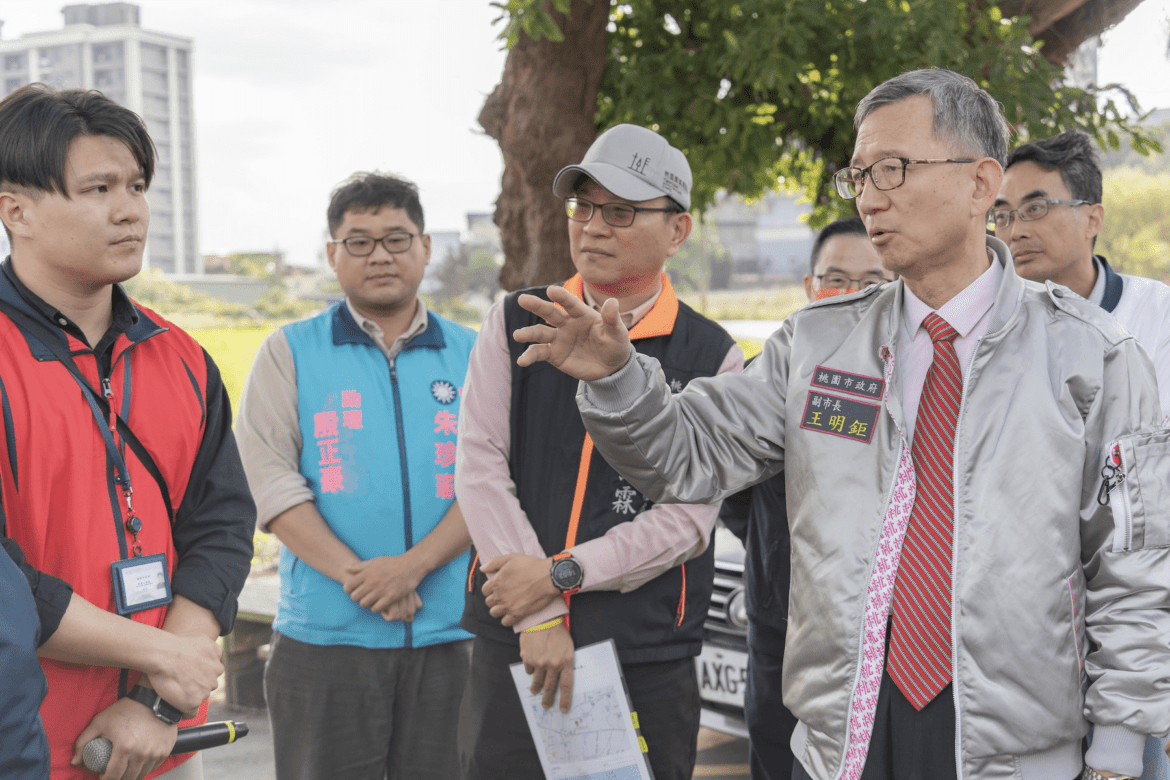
{"x":569,"y":553}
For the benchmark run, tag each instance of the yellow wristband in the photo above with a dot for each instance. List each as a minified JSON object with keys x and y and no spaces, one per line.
{"x":545,"y":625}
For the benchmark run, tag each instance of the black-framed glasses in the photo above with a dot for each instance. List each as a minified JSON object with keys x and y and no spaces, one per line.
{"x":840,"y":281}
{"x":1029,"y":211}
{"x":888,"y":173}
{"x":614,"y":214}
{"x":363,"y":246}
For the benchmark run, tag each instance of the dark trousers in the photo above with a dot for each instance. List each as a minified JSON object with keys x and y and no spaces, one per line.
{"x":908,"y":744}
{"x":354,"y":713}
{"x":770,"y":724}
{"x":495,"y":744}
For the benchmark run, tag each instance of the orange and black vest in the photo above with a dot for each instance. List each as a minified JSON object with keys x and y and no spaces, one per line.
{"x":571,"y":494}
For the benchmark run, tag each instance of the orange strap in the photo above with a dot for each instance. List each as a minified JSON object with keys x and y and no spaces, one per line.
{"x":471,"y":572}
{"x":575,"y":514}
{"x":579,"y":492}
{"x":682,"y":599}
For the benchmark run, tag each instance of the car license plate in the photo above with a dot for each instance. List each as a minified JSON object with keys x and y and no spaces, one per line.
{"x":722,"y":675}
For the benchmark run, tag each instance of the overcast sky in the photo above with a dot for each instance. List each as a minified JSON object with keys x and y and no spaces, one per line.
{"x":291,"y":96}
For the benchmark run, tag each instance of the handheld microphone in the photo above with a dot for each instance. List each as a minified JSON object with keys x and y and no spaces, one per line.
{"x":96,"y":754}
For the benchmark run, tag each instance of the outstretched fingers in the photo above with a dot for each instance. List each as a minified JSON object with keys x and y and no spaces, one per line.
{"x":535,"y":334}
{"x":547,"y":310}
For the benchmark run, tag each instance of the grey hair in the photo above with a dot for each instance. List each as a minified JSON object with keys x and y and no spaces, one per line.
{"x":963,"y":113}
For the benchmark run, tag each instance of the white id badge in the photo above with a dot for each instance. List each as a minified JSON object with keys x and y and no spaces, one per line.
{"x":141,"y":583}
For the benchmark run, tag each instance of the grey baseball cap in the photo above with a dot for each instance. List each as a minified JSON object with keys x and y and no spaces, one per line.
{"x":634,"y":163}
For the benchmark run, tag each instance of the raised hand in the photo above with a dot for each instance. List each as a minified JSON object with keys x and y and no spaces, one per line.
{"x":583,"y":343}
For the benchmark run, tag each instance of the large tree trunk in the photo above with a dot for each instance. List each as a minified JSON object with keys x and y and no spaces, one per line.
{"x":1064,"y":25}
{"x":542,"y":114}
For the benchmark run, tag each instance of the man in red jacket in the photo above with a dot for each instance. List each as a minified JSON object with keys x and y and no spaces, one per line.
{"x":120,"y":477}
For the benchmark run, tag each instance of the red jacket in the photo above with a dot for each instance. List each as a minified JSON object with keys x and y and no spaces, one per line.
{"x":64,"y":511}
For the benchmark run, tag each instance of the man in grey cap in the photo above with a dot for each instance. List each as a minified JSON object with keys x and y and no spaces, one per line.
{"x":569,"y":553}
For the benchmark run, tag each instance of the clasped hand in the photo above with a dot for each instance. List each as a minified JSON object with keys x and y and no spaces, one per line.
{"x":518,"y":585}
{"x":385,"y":585}
{"x":584,"y":343}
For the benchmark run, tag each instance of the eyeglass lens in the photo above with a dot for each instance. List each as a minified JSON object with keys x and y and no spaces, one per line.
{"x":614,"y":214}
{"x":360,"y":246}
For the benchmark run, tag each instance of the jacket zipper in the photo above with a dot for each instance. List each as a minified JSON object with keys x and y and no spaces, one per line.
{"x":406,"y":519}
{"x":955,"y":564}
{"x":887,"y":355}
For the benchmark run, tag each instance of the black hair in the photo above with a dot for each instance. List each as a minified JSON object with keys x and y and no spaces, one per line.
{"x":368,"y":191}
{"x":39,"y":122}
{"x":1073,"y":154}
{"x":850,"y":226}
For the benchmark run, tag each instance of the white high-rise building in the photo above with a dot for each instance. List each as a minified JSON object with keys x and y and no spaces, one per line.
{"x":103,"y":47}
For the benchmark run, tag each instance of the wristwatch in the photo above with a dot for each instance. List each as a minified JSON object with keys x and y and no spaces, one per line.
{"x":1092,"y":774}
{"x":566,"y":573}
{"x":167,"y":713}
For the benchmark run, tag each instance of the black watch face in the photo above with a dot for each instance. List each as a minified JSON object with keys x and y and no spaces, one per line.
{"x":567,"y":574}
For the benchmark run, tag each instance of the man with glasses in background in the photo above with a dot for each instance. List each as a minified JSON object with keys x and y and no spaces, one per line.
{"x":348,"y":431}
{"x":843,"y":261}
{"x":1049,"y":213}
{"x":975,"y":477}
{"x":568,"y":552}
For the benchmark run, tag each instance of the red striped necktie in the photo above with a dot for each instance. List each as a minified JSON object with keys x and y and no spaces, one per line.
{"x":920,"y":642}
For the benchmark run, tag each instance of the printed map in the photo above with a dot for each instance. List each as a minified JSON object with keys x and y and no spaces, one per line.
{"x":594,"y":729}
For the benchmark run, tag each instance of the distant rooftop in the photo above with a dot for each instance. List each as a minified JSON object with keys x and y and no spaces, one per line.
{"x":101,"y":15}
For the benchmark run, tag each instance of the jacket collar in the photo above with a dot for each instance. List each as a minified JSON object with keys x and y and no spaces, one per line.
{"x":659,"y":321}
{"x":1114,"y":285}
{"x":347,"y":331}
{"x":141,"y":326}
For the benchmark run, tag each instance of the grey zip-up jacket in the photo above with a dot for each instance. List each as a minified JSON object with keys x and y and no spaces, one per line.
{"x":1061,"y":603}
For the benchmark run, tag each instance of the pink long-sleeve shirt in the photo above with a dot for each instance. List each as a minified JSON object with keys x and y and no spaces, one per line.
{"x":628,"y":555}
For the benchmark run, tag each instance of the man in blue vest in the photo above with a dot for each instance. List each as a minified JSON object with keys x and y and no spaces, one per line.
{"x":347,"y":427}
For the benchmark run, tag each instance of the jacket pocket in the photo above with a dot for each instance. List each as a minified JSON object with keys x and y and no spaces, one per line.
{"x":1136,"y":487}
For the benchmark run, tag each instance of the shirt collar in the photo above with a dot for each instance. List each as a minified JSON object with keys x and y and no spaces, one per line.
{"x":123,"y":316}
{"x":417,"y":325}
{"x":963,"y":311}
{"x":633,"y":316}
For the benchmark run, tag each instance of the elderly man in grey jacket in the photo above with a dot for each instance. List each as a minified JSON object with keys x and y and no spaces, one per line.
{"x":993,"y":576}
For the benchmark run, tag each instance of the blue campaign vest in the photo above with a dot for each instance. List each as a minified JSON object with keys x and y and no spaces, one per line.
{"x":378,"y":453}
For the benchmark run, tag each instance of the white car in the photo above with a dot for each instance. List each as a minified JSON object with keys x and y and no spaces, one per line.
{"x":722,"y":664}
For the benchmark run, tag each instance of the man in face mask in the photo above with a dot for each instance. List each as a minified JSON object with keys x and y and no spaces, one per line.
{"x":843,"y":261}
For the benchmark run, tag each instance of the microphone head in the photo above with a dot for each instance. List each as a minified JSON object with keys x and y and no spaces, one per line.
{"x":96,"y":754}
